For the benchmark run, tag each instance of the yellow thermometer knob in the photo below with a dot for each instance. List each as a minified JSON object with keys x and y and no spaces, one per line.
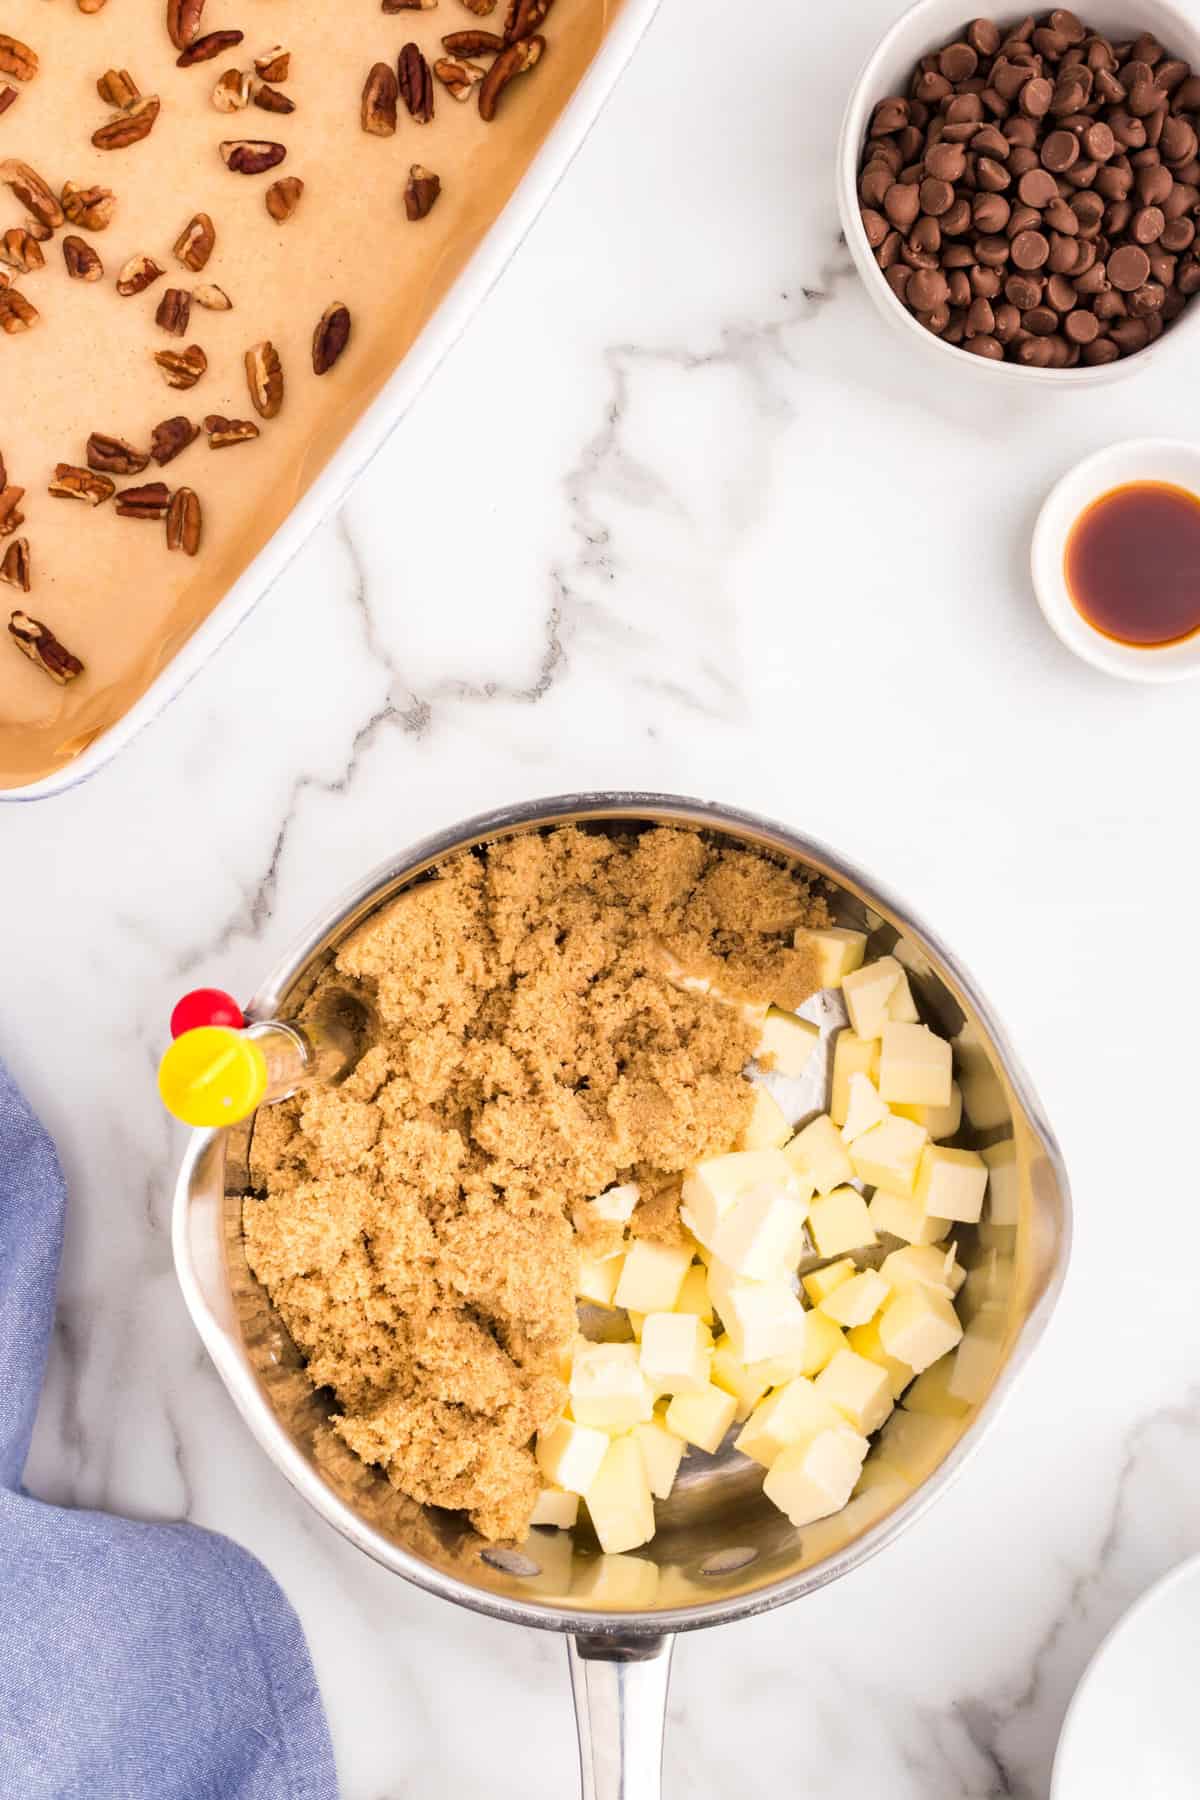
{"x":212,"y":1076}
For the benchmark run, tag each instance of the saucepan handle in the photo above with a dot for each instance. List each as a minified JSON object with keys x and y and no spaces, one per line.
{"x":620,"y":1688}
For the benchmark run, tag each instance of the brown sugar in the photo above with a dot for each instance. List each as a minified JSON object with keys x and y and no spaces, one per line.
{"x":534,"y":1048}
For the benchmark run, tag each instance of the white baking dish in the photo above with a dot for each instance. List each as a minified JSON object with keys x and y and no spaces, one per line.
{"x":385,"y":412}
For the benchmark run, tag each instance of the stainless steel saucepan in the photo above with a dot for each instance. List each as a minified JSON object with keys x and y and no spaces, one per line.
{"x":722,"y":1551}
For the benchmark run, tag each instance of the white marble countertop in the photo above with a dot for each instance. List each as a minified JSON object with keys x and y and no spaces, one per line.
{"x":677,"y":512}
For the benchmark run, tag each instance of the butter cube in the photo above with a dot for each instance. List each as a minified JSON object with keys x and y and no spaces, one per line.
{"x":554,"y":1506}
{"x":786,"y":1042}
{"x":747,"y":1383}
{"x":822,"y":1282}
{"x":703,"y":1419}
{"x":901,"y":1004}
{"x":814,"y":1478}
{"x":905,"y":1218}
{"x":714,"y":1187}
{"x":1004,"y":1203}
{"x":597,"y":1280}
{"x":924,"y":1265}
{"x":822,"y":1341}
{"x":791,"y":1413}
{"x":636,"y":1321}
{"x":675,"y":1353}
{"x":857,"y":1300}
{"x":617,"y":1583}
{"x":693,"y":1295}
{"x":864,"y":1340}
{"x":867,"y":992}
{"x":616,"y":1205}
{"x":651,"y":1276}
{"x":864,"y":1109}
{"x":918,"y":1326}
{"x":762,"y":1237}
{"x":767,"y":1128}
{"x":938,"y":1121}
{"x":608,"y":1389}
{"x":569,"y":1455}
{"x":852,"y":1055}
{"x":916,"y":1067}
{"x":619,"y":1502}
{"x":889,"y":1155}
{"x":840,"y":1222}
{"x":859,"y":1389}
{"x":818,"y":1151}
{"x":662,"y":1453}
{"x":838,"y":951}
{"x":761,"y":1318}
{"x":951,"y":1183}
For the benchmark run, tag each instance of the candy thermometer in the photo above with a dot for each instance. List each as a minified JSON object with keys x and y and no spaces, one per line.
{"x":220,"y":1066}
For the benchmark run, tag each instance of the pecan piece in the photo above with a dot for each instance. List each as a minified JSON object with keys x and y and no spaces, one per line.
{"x":395,"y":6}
{"x":15,"y":566}
{"x":233,"y":91}
{"x":264,"y":378}
{"x":481,"y":8}
{"x":83,"y":263}
{"x":129,"y":127}
{"x":422,"y":190}
{"x":118,"y":87}
{"x":170,"y":437}
{"x":183,"y":21}
{"x":182,"y":368}
{"x":416,"y":84}
{"x":271,"y":100}
{"x":274,"y":64}
{"x":10,"y":510}
{"x":113,"y":456}
{"x":212,"y":297}
{"x":251,"y":156}
{"x":283,"y":197}
{"x":203,"y":49}
{"x":16,"y":312}
{"x":135,"y":276}
{"x":473,"y":43}
{"x":174,"y":311}
{"x":525,"y":54}
{"x":73,"y":483}
{"x":196,"y":242}
{"x":524,"y":18}
{"x":458,"y":77}
{"x":32,"y":192}
{"x":150,"y":501}
{"x":8,"y":95}
{"x":20,"y":251}
{"x":379,"y":97}
{"x":331,"y":337}
{"x":42,"y":647}
{"x":223,"y":432}
{"x":184,"y":522}
{"x":91,"y":207}
{"x":17,"y":59}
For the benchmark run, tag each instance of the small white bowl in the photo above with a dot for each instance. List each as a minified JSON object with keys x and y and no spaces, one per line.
{"x":1136,"y":459}
{"x":927,"y":26}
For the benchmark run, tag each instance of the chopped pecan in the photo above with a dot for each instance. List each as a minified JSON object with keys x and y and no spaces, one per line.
{"x":118,"y":87}
{"x":223,"y":432}
{"x":170,"y":437}
{"x":20,"y":251}
{"x":8,"y":95}
{"x":379,"y":97}
{"x":130,"y":126}
{"x":16,"y":312}
{"x":35,"y":228}
{"x":519,"y":57}
{"x":395,"y":6}
{"x":457,"y":76}
{"x":42,"y":647}
{"x":113,"y":456}
{"x":416,"y":84}
{"x":264,"y":378}
{"x":251,"y":156}
{"x":73,"y":483}
{"x":274,"y":64}
{"x":32,"y":192}
{"x":184,"y":522}
{"x":10,"y":510}
{"x":473,"y":43}
{"x":137,"y":274}
{"x":481,"y":8}
{"x":524,"y":18}
{"x":174,"y":311}
{"x":91,"y":207}
{"x":83,"y":263}
{"x":14,"y":565}
{"x":331,"y":337}
{"x":233,"y":91}
{"x":150,"y":501}
{"x":203,"y":49}
{"x":17,"y":59}
{"x":422,"y":190}
{"x":182,"y":368}
{"x":271,"y":100}
{"x":196,"y":242}
{"x":183,"y":21}
{"x":212,"y":297}
{"x":283,"y":197}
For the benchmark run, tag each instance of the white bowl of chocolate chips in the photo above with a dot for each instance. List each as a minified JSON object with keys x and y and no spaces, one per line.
{"x":1026,"y":191}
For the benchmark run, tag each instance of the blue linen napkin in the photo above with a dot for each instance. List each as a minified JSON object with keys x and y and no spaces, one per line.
{"x":137,"y":1662}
